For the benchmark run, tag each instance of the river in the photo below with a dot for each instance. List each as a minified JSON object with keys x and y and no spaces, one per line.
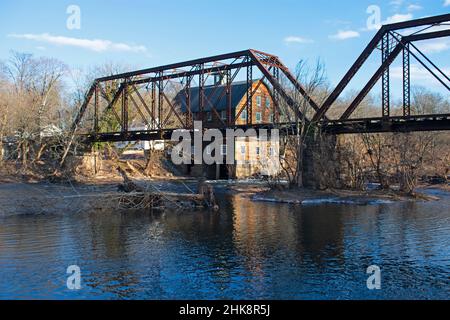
{"x":248,"y":250}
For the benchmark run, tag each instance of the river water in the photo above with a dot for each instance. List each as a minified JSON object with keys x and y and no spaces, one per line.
{"x":249,"y":250}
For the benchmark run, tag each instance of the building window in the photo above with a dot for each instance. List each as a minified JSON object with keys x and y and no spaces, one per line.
{"x":244,"y":115}
{"x":258,"y":101}
{"x":243,"y":150}
{"x":258,"y":150}
{"x":223,"y":149}
{"x":267,"y":102}
{"x":271,"y":118}
{"x":258,"y":117}
{"x":209,"y":116}
{"x":223,"y":115}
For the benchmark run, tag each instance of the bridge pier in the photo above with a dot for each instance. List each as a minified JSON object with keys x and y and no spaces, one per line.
{"x":321,"y":163}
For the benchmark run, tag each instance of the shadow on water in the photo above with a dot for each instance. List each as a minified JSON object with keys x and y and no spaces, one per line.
{"x":248,"y":250}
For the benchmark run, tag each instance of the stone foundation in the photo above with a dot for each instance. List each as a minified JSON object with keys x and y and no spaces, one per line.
{"x":321,"y":163}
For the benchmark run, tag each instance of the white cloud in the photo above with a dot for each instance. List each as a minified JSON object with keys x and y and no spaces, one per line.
{"x":434,"y":46}
{"x":396,"y":3}
{"x":447,"y":3}
{"x":97,"y":45}
{"x":418,"y":73}
{"x":296,"y":39}
{"x":415,"y":7}
{"x":392,"y":19}
{"x":398,"y":18}
{"x":344,"y":35}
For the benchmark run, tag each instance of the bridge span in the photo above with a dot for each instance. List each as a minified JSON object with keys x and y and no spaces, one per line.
{"x":114,"y":103}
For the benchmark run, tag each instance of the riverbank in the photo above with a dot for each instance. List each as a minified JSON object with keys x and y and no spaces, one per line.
{"x":21,"y":195}
{"x":303,"y":196}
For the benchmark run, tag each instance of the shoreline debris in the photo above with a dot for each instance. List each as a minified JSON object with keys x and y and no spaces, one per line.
{"x":144,"y":195}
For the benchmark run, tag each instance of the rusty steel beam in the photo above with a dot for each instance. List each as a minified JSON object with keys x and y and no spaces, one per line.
{"x":172,"y":107}
{"x":187,"y":90}
{"x":275,"y":62}
{"x":207,"y":70}
{"x":112,"y":102}
{"x":83,"y":107}
{"x":146,"y":107}
{"x":96,"y":105}
{"x":125,"y":107}
{"x":277,"y":86}
{"x":225,"y":91}
{"x":250,"y":95}
{"x":139,"y":111}
{"x":440,"y":122}
{"x":417,"y":22}
{"x":230,"y":79}
{"x":406,"y":82}
{"x":175,"y":65}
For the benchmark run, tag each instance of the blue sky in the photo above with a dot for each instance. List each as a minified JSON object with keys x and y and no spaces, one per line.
{"x":149,"y":33}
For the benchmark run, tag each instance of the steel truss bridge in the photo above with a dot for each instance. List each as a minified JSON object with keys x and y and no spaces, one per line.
{"x":147,"y":94}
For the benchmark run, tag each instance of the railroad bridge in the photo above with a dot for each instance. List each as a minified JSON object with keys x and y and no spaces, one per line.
{"x":113,"y":102}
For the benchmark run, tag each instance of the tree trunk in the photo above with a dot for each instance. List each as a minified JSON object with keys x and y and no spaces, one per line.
{"x":24,"y":154}
{"x":2,"y":134}
{"x":40,"y":152}
{"x":299,"y":173}
{"x":1,"y":149}
{"x":148,"y":165}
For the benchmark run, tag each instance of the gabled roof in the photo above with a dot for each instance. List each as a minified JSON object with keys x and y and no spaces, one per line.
{"x":238,"y":91}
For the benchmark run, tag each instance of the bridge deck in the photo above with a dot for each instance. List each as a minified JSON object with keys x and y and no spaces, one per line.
{"x":350,"y":126}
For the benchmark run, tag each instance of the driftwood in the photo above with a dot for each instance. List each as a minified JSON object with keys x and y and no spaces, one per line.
{"x":207,"y":191}
{"x":145,"y":195}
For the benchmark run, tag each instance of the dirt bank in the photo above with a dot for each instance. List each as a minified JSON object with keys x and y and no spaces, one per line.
{"x":309,"y":197}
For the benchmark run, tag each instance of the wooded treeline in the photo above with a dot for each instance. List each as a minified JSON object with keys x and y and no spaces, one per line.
{"x":39,"y":98}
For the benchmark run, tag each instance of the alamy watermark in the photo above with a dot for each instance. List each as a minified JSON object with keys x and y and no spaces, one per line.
{"x":73,"y":22}
{"x":374,"y":20}
{"x":374,"y":280}
{"x":253,"y":147}
{"x":74,"y":280}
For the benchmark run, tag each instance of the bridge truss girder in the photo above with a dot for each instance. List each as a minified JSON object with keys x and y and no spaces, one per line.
{"x":148,"y":93}
{"x":392,"y":40}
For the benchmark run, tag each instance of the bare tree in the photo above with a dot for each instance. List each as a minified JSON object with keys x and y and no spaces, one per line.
{"x":352,"y":162}
{"x":35,"y":92}
{"x":376,"y":149}
{"x":412,"y":150}
{"x":19,"y":69}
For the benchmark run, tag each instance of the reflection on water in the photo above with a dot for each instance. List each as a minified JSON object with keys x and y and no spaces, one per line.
{"x":247,"y":251}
